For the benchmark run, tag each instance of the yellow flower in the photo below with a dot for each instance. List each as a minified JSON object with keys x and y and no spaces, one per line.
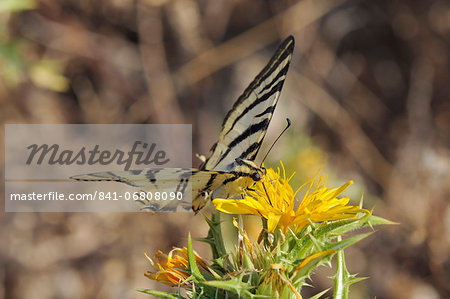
{"x":172,"y":268}
{"x":274,"y":199}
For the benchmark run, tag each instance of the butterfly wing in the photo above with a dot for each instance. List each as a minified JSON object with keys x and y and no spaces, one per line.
{"x":195,"y":186}
{"x":245,"y":125}
{"x":243,"y":131}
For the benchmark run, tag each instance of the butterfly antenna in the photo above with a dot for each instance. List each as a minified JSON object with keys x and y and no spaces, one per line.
{"x":287,"y":126}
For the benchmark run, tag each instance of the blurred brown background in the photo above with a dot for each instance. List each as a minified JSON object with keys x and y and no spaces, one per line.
{"x":368,"y":94}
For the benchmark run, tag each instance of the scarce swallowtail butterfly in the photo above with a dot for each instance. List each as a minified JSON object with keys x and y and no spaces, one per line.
{"x":231,"y":168}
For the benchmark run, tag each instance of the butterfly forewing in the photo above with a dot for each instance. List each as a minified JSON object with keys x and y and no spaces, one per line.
{"x":245,"y":126}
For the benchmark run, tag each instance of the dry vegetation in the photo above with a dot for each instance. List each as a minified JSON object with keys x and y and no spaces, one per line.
{"x":369,"y":84}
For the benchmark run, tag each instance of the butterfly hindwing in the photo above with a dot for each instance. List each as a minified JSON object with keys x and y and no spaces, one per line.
{"x":191,"y":187}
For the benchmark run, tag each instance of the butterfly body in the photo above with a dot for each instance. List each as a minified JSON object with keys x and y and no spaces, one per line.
{"x":230,"y":169}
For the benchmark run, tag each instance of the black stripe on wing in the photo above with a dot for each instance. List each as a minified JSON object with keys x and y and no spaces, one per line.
{"x":257,"y":103}
{"x":253,"y":129}
{"x":283,"y":51}
{"x":263,"y":98}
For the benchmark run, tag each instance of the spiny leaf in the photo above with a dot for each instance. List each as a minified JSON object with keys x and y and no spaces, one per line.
{"x":375,"y":220}
{"x":195,"y":272}
{"x":328,"y":227}
{"x":214,"y":238}
{"x":160,"y":294}
{"x":317,"y":296}
{"x":235,"y":286}
{"x":303,"y":271}
{"x":355,"y":279}
{"x":365,"y":221}
{"x":214,"y":273}
{"x":347,"y":242}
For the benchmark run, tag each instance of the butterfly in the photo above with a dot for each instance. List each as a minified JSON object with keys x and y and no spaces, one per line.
{"x":230,"y":169}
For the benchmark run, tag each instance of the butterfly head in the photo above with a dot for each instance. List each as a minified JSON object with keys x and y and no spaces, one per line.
{"x":250,"y":168}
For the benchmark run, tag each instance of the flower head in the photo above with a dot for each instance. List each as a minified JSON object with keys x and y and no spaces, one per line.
{"x":274,"y":200}
{"x":172,"y":268}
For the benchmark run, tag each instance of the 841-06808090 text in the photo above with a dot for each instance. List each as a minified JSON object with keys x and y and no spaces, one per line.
{"x":55,"y":196}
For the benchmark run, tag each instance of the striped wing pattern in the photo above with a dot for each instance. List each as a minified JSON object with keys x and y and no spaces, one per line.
{"x":243,"y":131}
{"x":191,"y":183}
{"x":245,"y":125}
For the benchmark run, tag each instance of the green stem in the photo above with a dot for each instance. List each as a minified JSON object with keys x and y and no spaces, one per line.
{"x":340,"y":290}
